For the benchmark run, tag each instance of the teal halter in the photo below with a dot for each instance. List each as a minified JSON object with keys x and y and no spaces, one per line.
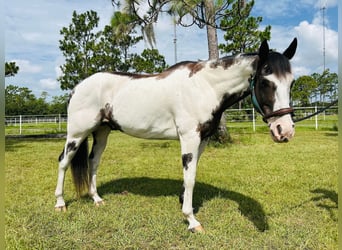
{"x":253,"y":96}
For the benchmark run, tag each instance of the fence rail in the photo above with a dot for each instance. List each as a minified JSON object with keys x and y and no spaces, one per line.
{"x":236,"y":118}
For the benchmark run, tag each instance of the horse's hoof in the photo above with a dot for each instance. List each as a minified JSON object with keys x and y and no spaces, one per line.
{"x":61,"y":209}
{"x":99,"y":203}
{"x":198,"y":229}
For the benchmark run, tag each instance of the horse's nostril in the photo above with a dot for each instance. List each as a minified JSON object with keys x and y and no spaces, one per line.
{"x":279,"y":129}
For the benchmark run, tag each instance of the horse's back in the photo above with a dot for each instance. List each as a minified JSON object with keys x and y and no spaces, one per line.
{"x":141,"y":106}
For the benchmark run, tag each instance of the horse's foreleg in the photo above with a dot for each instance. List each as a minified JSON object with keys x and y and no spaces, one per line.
{"x":191,"y":150}
{"x":100,"y":140}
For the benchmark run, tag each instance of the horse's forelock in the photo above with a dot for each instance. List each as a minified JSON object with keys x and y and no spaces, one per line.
{"x":279,"y":64}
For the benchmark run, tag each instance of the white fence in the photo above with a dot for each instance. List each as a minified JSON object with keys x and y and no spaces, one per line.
{"x":35,"y":124}
{"x":236,"y":118}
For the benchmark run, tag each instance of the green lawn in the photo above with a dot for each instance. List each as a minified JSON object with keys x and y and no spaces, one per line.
{"x":252,"y":194}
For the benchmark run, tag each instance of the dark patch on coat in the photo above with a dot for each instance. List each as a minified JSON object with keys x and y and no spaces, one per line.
{"x":71,"y":146}
{"x":91,"y":155}
{"x":209,"y":127}
{"x":133,"y":75}
{"x":61,"y":156}
{"x":193,"y":67}
{"x":224,"y":62}
{"x":106,"y":118}
{"x":186,"y":159}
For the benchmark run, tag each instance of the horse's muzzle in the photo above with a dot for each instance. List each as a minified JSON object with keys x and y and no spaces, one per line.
{"x":282,"y":128}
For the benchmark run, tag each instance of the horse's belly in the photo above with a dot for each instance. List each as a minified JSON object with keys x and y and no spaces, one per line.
{"x":142,"y":119}
{"x":148,"y":127}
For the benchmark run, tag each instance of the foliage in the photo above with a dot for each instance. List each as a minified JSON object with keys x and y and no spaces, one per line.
{"x":303,"y":88}
{"x":11,"y":69}
{"x":87,"y":51}
{"x":21,"y":100}
{"x":327,"y":85}
{"x":245,"y":37}
{"x":239,"y":191}
{"x":150,"y":61}
{"x":79,"y":48}
{"x":316,"y":88}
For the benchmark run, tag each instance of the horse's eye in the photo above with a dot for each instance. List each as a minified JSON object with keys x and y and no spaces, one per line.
{"x":267,"y":70}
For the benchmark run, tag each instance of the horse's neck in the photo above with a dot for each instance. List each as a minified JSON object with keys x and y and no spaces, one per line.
{"x":229,"y":79}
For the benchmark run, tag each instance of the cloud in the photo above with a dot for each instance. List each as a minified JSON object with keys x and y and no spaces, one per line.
{"x":310,"y":48}
{"x":26,"y":66}
{"x":48,"y":83}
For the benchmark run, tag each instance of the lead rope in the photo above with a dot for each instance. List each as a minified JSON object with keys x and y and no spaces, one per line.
{"x":316,"y":113}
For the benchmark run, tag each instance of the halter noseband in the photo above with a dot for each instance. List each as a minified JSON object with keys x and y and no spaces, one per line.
{"x":279,"y":112}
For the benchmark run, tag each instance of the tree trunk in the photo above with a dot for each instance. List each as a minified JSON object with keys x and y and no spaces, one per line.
{"x":221,"y":135}
{"x":212,"y":43}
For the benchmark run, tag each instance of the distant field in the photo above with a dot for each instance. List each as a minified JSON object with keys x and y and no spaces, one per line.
{"x":252,"y":194}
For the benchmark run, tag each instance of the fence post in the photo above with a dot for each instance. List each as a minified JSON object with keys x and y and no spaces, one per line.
{"x":253,"y":119}
{"x":20,"y":120}
{"x":316,"y":118}
{"x":59,"y":122}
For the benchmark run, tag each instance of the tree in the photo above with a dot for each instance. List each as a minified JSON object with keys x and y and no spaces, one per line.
{"x":58,"y":105}
{"x":18,"y":100}
{"x":246,"y":37}
{"x":302,"y":90}
{"x":150,"y":61}
{"x":11,"y":69}
{"x":327,"y":85}
{"x":203,"y":13}
{"x":88,"y":52}
{"x":79,"y":48}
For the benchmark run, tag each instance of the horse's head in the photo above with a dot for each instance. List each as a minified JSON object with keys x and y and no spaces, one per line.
{"x":271,"y":86}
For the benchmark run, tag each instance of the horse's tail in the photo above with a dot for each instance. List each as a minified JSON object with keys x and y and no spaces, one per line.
{"x":79,"y":168}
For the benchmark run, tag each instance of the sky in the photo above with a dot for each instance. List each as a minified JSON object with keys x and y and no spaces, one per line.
{"x":32,"y":36}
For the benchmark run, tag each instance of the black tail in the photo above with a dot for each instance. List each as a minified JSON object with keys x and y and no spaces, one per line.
{"x":79,"y":168}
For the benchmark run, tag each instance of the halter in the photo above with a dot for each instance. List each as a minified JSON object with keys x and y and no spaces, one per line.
{"x":279,"y":112}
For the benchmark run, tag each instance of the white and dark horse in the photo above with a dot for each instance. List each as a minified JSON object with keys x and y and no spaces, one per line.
{"x":184,"y":102}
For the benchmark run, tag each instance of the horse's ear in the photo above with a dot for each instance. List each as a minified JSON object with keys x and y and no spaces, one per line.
{"x":263,"y":51}
{"x":291,"y":50}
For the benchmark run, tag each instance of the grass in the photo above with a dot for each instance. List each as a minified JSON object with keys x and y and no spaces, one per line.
{"x":252,"y":194}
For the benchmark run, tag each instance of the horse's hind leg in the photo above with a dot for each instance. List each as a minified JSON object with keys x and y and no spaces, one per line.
{"x":69,"y":151}
{"x":99,"y":143}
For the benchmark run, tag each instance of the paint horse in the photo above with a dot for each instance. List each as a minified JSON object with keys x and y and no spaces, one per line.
{"x":184,"y":102}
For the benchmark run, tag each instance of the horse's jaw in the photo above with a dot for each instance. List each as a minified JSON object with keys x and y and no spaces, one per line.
{"x":281,"y":128}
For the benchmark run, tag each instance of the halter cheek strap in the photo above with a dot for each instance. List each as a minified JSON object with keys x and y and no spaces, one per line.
{"x":279,"y":112}
{"x":253,"y":96}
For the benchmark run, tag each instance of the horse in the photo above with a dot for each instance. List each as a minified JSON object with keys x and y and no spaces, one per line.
{"x":184,"y":102}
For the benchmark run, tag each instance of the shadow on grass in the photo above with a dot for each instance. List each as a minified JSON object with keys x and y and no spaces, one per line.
{"x":145,"y":186}
{"x":325,"y":196}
